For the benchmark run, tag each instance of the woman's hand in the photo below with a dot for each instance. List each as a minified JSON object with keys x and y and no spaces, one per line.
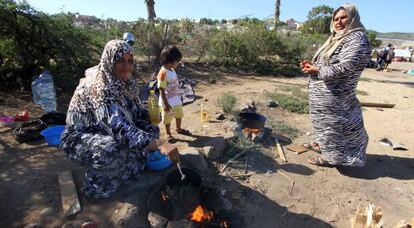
{"x":308,"y":68}
{"x":171,"y":151}
{"x":304,"y":63}
{"x":152,"y":146}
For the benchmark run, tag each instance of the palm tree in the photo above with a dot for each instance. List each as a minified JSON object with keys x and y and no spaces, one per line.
{"x":150,"y":10}
{"x":277,"y":12}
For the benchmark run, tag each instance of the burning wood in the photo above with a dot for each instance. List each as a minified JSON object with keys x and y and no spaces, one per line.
{"x":164,"y":197}
{"x":224,"y":224}
{"x":251,"y":130}
{"x":200,"y":215}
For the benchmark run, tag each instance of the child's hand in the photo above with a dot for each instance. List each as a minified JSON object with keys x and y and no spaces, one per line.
{"x":167,"y":108}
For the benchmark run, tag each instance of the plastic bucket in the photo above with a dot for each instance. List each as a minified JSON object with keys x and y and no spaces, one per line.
{"x":52,"y":134}
{"x":157,"y":161}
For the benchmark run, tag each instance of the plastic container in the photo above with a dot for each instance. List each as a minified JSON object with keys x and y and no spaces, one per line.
{"x":203,"y":114}
{"x":6,"y":119}
{"x":53,"y":134}
{"x":153,"y":108}
{"x":44,"y":93}
{"x":157,"y":161}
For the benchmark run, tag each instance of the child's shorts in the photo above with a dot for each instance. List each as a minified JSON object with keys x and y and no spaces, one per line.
{"x":176,"y":112}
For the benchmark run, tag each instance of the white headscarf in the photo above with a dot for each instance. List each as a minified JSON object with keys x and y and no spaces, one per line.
{"x":329,"y":47}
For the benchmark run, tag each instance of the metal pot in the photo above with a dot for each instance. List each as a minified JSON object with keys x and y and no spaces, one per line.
{"x":252,"y":120}
{"x":192,"y":178}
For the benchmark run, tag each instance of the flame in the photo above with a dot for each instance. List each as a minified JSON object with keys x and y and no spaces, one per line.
{"x":199,"y":215}
{"x":225,"y":224}
{"x":251,"y":130}
{"x":164,"y":196}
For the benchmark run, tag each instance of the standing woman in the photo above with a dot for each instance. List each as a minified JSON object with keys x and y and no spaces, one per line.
{"x":335,"y":111}
{"x":107,"y":128}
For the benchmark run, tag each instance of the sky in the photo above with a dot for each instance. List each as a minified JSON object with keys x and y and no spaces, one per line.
{"x":378,"y":15}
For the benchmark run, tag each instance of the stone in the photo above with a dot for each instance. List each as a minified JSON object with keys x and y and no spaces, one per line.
{"x":47,"y":215}
{"x":33,"y":225}
{"x":183,"y":223}
{"x":73,"y":224}
{"x":220,"y":116}
{"x":156,"y":220}
{"x":194,"y":159}
{"x":272,"y":104}
{"x":130,"y":216}
{"x":215,"y":147}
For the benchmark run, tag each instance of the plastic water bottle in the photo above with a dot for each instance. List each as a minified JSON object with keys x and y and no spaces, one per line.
{"x":153,"y":108}
{"x":44,"y":93}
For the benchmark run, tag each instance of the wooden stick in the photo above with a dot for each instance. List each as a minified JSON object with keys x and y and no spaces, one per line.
{"x":246,"y":164}
{"x":379,"y":105}
{"x":287,"y":177}
{"x":257,"y":186}
{"x":231,"y":160}
{"x":245,"y":175}
{"x":280,"y":150}
{"x":70,"y":200}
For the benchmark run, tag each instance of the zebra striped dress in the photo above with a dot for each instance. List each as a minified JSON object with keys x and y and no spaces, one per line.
{"x":335,"y":111}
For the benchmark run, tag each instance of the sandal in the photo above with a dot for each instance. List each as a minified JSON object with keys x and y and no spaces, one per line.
{"x":319,"y":161}
{"x":170,"y":139}
{"x":183,"y":132}
{"x":312,"y":146}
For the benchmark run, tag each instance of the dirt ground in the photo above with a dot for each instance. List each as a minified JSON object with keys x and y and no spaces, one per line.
{"x":320,"y":197}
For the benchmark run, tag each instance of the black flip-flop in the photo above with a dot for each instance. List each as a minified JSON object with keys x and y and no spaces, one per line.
{"x":183,"y":132}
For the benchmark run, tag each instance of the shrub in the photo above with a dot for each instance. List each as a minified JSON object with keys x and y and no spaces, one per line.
{"x":280,"y":126}
{"x":227,"y":102}
{"x":296,"y":101}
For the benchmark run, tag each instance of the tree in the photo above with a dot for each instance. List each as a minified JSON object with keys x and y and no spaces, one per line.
{"x":277,"y":13}
{"x":151,"y":10}
{"x":320,"y":11}
{"x":372,"y":35}
{"x":31,"y":40}
{"x":319,"y":20}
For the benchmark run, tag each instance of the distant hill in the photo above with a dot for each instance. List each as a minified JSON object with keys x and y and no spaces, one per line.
{"x":396,"y":35}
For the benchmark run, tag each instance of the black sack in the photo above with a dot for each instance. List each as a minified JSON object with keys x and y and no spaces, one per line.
{"x":54,"y":118}
{"x":29,"y":130}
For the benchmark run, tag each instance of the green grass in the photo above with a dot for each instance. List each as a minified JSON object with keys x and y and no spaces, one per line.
{"x":227,"y":101}
{"x":364,"y":79}
{"x":211,"y":79}
{"x":238,"y":144}
{"x":292,"y":99}
{"x":280,"y":126}
{"x":362,"y":93}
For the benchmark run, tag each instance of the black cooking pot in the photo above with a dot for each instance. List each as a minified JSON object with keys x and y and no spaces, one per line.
{"x":192,"y":178}
{"x":252,"y":120}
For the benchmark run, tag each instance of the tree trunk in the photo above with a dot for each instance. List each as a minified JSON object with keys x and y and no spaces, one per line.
{"x":151,"y":10}
{"x":277,"y":13}
{"x":151,"y":16}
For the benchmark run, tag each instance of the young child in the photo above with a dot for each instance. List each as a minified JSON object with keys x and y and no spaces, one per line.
{"x":170,"y":99}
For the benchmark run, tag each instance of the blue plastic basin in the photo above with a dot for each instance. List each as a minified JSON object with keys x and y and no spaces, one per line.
{"x":157,"y":161}
{"x":52,"y":134}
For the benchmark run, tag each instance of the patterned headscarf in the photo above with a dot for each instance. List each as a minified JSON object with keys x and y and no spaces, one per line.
{"x":329,"y":47}
{"x":101,"y":88}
